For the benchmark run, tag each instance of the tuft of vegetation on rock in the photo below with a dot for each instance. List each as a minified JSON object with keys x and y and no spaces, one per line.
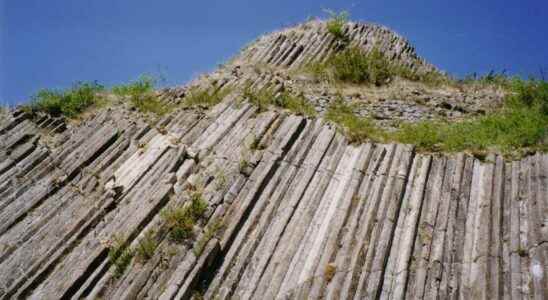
{"x":355,"y":65}
{"x":357,"y":129}
{"x":120,"y":257}
{"x":141,"y":95}
{"x":209,"y":233}
{"x":335,"y":24}
{"x":205,"y":98}
{"x":69,"y":103}
{"x":180,"y":220}
{"x":146,"y":247}
{"x":265,"y":98}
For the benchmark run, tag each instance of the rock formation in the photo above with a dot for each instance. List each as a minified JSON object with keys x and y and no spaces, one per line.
{"x":293,"y":209}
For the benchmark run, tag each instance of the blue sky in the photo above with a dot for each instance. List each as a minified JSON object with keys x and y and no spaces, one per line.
{"x":51,"y":44}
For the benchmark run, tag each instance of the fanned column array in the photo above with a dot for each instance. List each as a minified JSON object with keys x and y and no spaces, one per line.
{"x":293,"y":212}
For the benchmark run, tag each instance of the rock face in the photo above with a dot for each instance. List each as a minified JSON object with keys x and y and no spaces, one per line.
{"x":276,"y":61}
{"x":293,"y":210}
{"x":314,"y":217}
{"x":311,"y":42}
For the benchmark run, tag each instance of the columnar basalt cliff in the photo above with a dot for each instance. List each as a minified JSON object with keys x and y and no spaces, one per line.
{"x":293,"y":210}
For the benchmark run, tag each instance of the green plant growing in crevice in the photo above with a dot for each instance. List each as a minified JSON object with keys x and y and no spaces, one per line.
{"x":119,"y":256}
{"x":221,"y":180}
{"x":266,"y":97}
{"x":146,"y":247}
{"x":205,"y":98}
{"x":261,"y":98}
{"x":299,"y":105}
{"x":209,"y":233}
{"x":68,"y":103}
{"x":336,"y":22}
{"x":243,"y":165}
{"x":256,"y":144}
{"x":141,"y":95}
{"x":357,"y":129}
{"x":180,"y":220}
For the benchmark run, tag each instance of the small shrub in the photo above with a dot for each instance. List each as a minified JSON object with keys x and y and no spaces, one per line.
{"x":529,"y":93}
{"x":120,"y":257}
{"x":181,"y":220}
{"x":146,"y":247}
{"x":67,"y":103}
{"x":335,"y":24}
{"x":141,"y":95}
{"x":197,"y":205}
{"x":351,"y":65}
{"x":205,"y":98}
{"x":357,"y":129}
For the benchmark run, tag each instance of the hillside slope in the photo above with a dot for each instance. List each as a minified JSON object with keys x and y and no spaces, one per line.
{"x":90,"y":209}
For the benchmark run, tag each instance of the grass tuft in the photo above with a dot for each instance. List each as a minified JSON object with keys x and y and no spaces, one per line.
{"x":209,"y":233}
{"x":335,"y":24}
{"x":120,"y":257}
{"x":354,"y":65}
{"x":266,"y":97}
{"x":147,"y":246}
{"x":141,"y":95}
{"x":205,"y":98}
{"x":68,"y":103}
{"x":357,"y":129}
{"x":181,"y":220}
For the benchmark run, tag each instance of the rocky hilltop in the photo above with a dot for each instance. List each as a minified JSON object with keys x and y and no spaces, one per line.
{"x":237,"y":202}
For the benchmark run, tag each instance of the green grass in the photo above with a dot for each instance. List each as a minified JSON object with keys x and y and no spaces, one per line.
{"x":354,"y":65}
{"x":491,"y":78}
{"x":146,"y":247}
{"x":266,"y":97}
{"x":180,"y":220}
{"x":335,"y":23}
{"x":296,"y":104}
{"x":521,"y":123}
{"x":141,"y":95}
{"x":205,"y":98}
{"x":120,"y":257}
{"x":357,"y":129}
{"x":262,"y":99}
{"x":69,"y":103}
